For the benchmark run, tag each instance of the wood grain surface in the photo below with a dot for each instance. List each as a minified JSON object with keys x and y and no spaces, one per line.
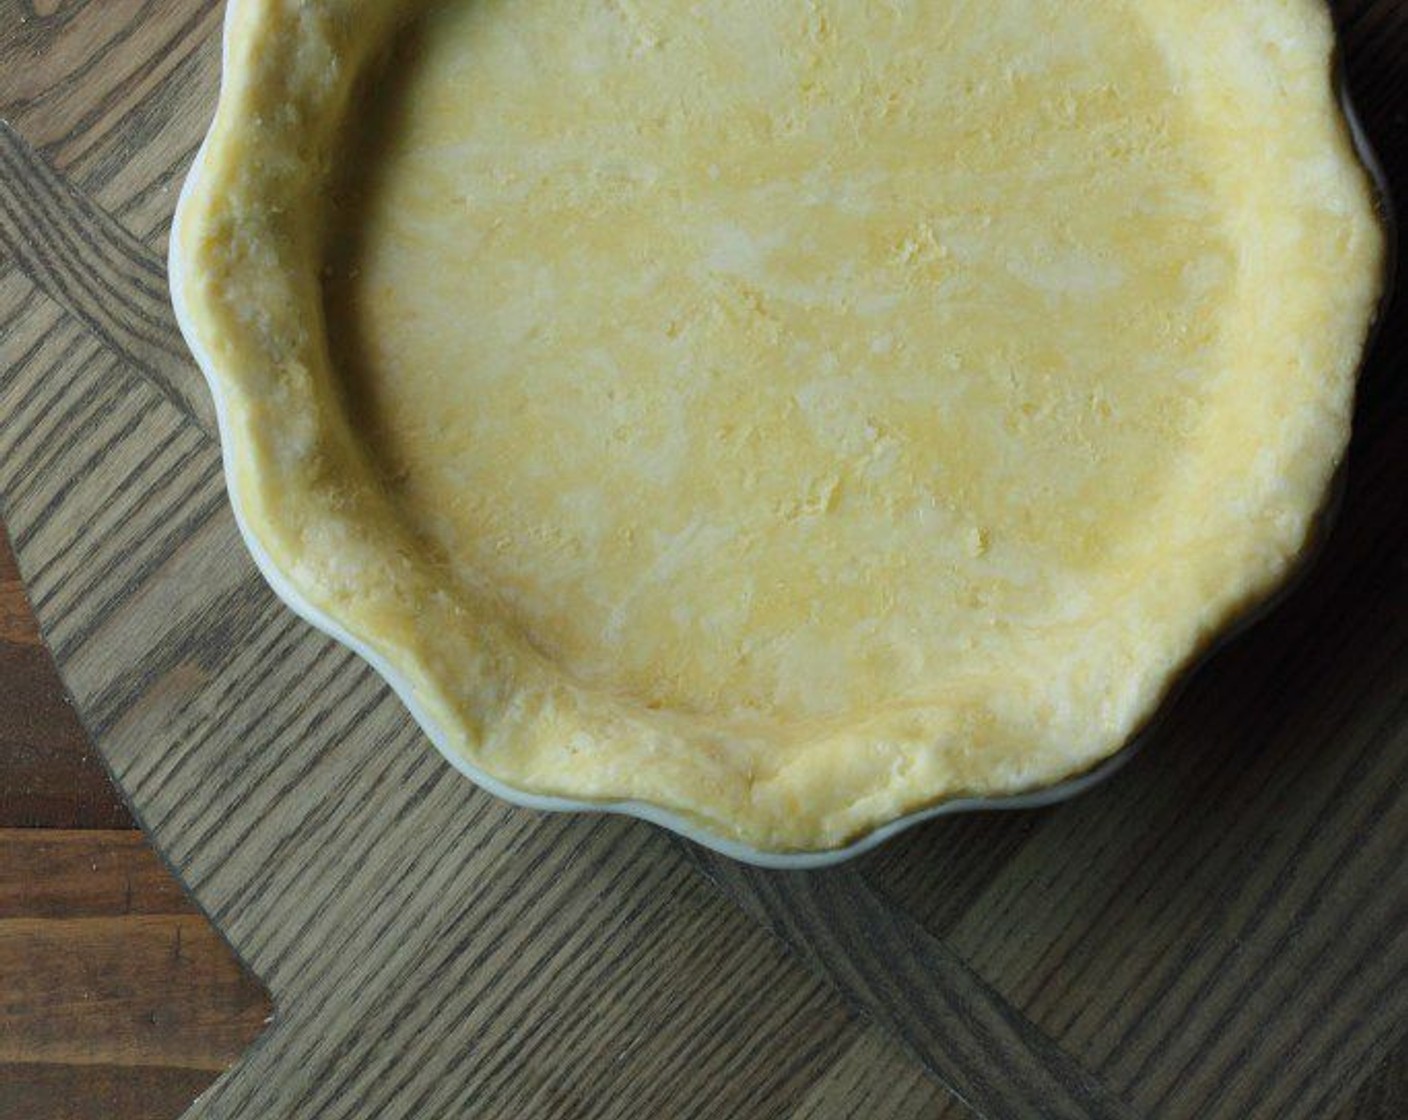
{"x":1220,"y":931}
{"x":117,"y":997}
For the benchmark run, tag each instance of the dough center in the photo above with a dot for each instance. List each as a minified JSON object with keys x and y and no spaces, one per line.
{"x":777,"y":361}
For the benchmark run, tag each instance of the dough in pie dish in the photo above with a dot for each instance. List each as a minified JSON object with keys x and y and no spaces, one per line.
{"x":785,"y":416}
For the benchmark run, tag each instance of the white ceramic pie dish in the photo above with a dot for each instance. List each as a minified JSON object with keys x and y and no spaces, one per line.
{"x":444,"y":739}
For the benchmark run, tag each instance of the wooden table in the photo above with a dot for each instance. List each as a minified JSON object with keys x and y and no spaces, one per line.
{"x":118,"y":999}
{"x":1221,"y":931}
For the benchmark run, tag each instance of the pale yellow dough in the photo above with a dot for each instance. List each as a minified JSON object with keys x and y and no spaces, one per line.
{"x":793,"y":414}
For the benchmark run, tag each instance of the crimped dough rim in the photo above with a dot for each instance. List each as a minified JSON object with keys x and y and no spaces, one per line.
{"x":245,"y":259}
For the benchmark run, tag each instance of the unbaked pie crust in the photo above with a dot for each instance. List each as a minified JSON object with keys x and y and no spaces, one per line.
{"x":787,"y":415}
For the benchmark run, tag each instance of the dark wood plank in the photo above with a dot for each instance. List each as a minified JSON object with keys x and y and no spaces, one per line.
{"x":83,"y":873}
{"x":124,"y":989}
{"x":36,"y":1091}
{"x":17,"y":626}
{"x":49,"y":775}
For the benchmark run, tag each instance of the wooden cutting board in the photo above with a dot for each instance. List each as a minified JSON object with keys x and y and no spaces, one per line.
{"x":1221,"y":931}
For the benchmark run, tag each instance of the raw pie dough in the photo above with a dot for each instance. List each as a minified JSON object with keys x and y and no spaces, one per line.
{"x":790,"y":414}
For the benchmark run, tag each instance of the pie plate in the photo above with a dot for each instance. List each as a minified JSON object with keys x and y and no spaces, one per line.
{"x":784,"y":423}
